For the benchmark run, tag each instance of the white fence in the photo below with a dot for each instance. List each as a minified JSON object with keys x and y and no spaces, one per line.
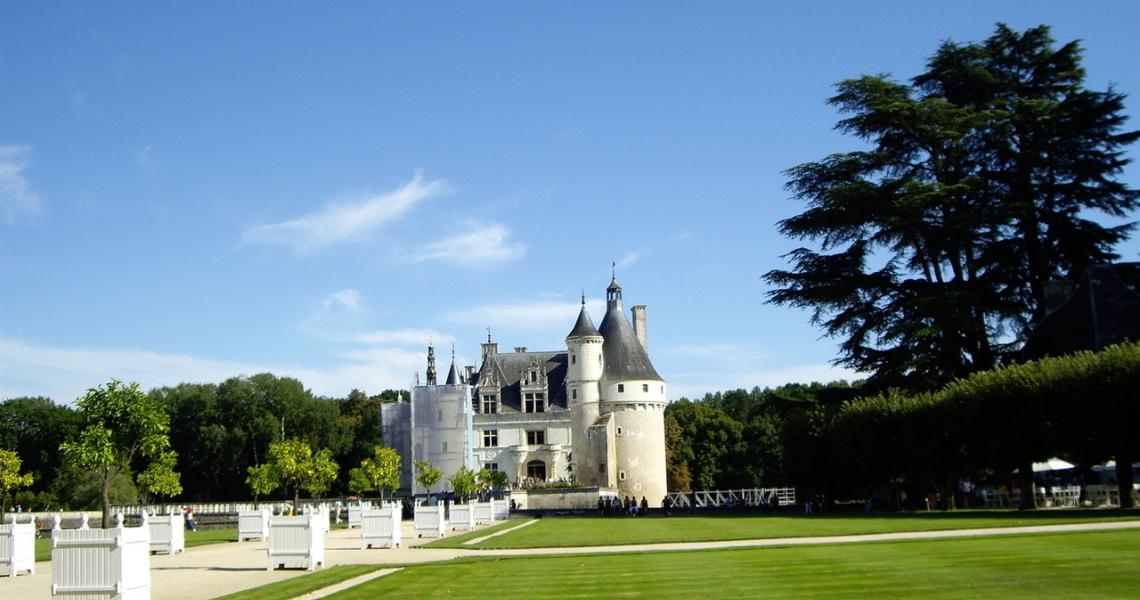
{"x":167,"y":532}
{"x":462,"y":517}
{"x":728,"y":498}
{"x":380,"y":527}
{"x":111,"y":564}
{"x":354,"y":511}
{"x":18,"y":548}
{"x":253,"y":524}
{"x":430,"y":521}
{"x":296,"y":542}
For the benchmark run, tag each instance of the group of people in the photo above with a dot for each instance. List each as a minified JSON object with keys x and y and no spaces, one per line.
{"x":609,"y":506}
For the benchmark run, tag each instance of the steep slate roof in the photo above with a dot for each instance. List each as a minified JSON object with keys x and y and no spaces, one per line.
{"x":584,"y":327}
{"x":452,"y":375}
{"x":625,"y":357}
{"x":1104,"y":310}
{"x":509,"y":367}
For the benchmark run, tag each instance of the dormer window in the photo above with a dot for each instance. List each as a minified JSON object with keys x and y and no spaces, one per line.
{"x":534,"y":402}
{"x":490,"y":404}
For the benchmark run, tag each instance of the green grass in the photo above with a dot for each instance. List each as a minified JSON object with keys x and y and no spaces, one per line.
{"x":193,"y":538}
{"x":1052,"y":566}
{"x":593,"y":531}
{"x":456,"y":541}
{"x":298,"y":586}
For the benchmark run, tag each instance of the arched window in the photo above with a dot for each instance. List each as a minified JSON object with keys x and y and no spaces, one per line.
{"x":536,"y":469}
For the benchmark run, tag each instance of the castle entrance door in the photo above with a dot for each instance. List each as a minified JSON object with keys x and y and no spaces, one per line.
{"x":536,"y":469}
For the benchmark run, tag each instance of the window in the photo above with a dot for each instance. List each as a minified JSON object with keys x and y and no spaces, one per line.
{"x":573,"y":359}
{"x":534,"y":438}
{"x":621,"y":475}
{"x":533,"y":376}
{"x":490,"y":404}
{"x":445,"y":446}
{"x":601,"y":467}
{"x":534,"y":402}
{"x":574,"y":394}
{"x":475,"y":404}
{"x":621,"y":388}
{"x":491,"y":466}
{"x":645,"y":387}
{"x":619,"y":430}
{"x":490,"y":438}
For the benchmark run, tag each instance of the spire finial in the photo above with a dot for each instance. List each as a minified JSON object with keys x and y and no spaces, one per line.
{"x":613,"y":271}
{"x":488,"y":335}
{"x":453,"y":352}
{"x":583,"y":297}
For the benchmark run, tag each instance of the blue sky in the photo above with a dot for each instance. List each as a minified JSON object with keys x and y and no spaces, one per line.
{"x":192,"y":192}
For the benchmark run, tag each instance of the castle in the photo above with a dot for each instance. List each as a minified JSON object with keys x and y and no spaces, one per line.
{"x":592,"y":414}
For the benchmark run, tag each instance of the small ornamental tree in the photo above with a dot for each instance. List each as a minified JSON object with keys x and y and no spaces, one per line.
{"x":427,"y":474}
{"x":463,"y":483}
{"x":10,"y":477}
{"x":122,"y":426}
{"x":379,"y":472}
{"x":488,"y":480}
{"x":294,"y":466}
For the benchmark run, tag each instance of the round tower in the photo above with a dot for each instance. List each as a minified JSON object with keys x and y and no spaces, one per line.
{"x":583,"y":372}
{"x":633,"y":395}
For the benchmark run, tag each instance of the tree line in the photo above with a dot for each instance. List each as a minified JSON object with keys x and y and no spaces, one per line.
{"x":216,"y":433}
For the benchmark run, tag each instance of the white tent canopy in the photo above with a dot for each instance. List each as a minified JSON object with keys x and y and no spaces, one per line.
{"x":1053,"y":464}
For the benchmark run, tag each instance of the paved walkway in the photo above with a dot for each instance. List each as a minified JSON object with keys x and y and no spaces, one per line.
{"x":209,"y":571}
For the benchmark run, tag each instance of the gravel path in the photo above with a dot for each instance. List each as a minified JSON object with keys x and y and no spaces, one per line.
{"x":209,"y":571}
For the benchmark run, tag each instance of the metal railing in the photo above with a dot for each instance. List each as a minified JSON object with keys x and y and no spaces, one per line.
{"x":785,"y":496}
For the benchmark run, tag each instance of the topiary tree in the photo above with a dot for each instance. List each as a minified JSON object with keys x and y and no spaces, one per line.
{"x":293,"y":465}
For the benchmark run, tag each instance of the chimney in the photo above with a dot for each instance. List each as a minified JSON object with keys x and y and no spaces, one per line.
{"x":520,"y":349}
{"x":469,"y":374}
{"x":639,"y":326}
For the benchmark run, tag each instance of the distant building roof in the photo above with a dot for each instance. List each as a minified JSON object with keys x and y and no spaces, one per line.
{"x":1103,"y":310}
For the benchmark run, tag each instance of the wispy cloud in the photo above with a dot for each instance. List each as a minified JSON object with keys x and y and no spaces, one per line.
{"x":402,"y":337}
{"x":541,"y":315}
{"x":629,"y":259}
{"x":345,"y":221}
{"x":17,"y":198}
{"x":480,"y":245}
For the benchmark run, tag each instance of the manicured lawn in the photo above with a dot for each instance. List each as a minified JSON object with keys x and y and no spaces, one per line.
{"x":593,"y":531}
{"x":298,"y":586}
{"x":456,"y":540}
{"x":193,"y":538}
{"x":1053,"y":566}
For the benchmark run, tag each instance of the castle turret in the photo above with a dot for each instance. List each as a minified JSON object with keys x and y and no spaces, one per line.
{"x":583,"y":373}
{"x":633,"y":395}
{"x":430,"y":374}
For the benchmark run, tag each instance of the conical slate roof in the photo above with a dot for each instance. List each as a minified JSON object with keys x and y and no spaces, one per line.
{"x":584,"y":326}
{"x":625,"y":357}
{"x":452,"y":375}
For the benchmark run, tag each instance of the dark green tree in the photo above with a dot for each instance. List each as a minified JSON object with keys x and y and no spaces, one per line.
{"x":934,"y":244}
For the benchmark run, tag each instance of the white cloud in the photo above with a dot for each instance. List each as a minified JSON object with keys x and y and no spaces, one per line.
{"x":629,"y":259}
{"x":402,"y":337}
{"x":64,"y":374}
{"x":339,"y":222}
{"x":480,"y":245}
{"x":17,"y":198}
{"x":347,"y":298}
{"x":541,"y":315}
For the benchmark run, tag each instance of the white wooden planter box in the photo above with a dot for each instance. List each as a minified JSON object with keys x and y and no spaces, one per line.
{"x":296,"y":542}
{"x":111,"y":564}
{"x":485,"y":512}
{"x":167,"y":533}
{"x":18,"y":548}
{"x":430,"y":521}
{"x":462,"y":517}
{"x":501,"y":510}
{"x":253,"y":525}
{"x":354,"y":511}
{"x":380,"y":528}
